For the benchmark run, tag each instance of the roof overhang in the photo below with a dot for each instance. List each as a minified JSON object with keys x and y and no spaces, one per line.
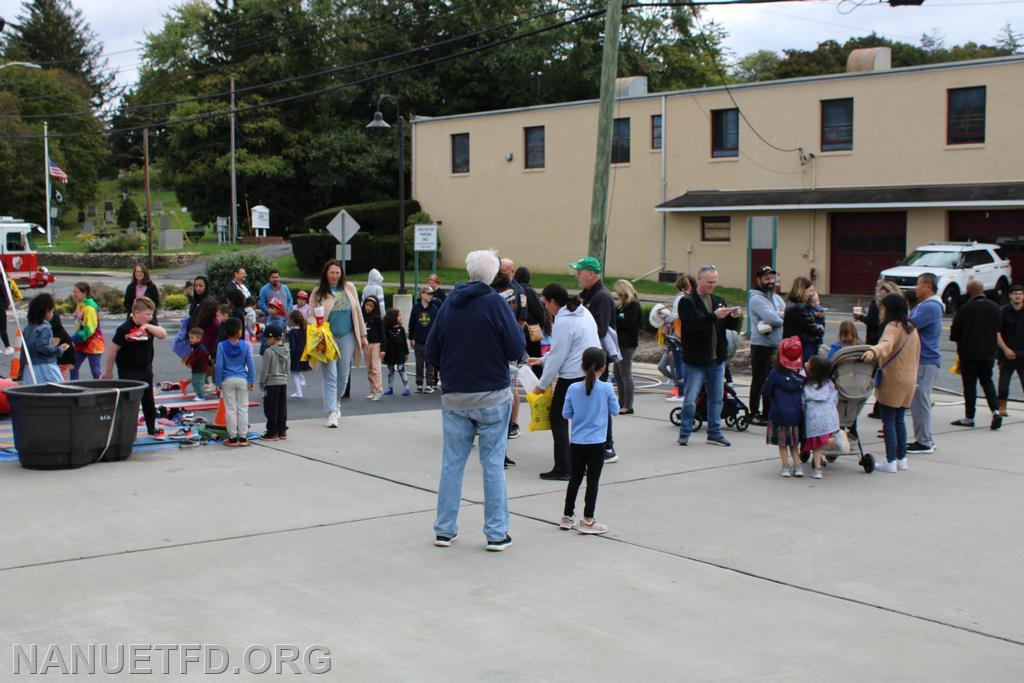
{"x":990,"y":195}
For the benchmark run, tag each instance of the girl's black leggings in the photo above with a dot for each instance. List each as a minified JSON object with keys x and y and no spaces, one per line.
{"x":588,"y":458}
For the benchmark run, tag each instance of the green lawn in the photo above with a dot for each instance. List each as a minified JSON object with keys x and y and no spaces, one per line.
{"x":289,"y":269}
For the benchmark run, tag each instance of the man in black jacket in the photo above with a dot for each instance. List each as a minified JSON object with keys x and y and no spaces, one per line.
{"x":975,"y":331}
{"x":598,"y":300}
{"x":705,"y":319}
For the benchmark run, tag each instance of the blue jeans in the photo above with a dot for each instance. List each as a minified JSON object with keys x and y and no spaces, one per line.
{"x":694,"y":378}
{"x":336,"y":373}
{"x":894,"y":429}
{"x":677,"y":362}
{"x":459,"y":427}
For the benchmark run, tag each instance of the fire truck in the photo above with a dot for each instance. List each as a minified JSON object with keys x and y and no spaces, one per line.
{"x":19,"y":259}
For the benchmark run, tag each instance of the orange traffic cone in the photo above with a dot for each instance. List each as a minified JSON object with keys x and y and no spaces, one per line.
{"x":220,"y":419}
{"x":16,"y":358}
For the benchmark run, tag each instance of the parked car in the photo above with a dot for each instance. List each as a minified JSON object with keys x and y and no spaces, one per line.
{"x":954,"y":263}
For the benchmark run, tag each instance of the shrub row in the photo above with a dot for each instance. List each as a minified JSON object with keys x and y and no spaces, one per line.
{"x":368,"y":251}
{"x":378,"y":218}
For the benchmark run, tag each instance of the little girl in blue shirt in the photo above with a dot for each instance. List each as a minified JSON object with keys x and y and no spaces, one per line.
{"x":589,"y":405}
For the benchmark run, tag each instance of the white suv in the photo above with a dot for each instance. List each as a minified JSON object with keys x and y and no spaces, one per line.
{"x":954,"y":263}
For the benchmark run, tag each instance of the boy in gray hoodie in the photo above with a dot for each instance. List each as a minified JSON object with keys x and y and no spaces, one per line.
{"x":274,"y":383}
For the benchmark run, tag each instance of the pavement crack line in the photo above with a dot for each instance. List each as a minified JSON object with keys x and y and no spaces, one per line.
{"x":786,"y":584}
{"x":209,"y":541}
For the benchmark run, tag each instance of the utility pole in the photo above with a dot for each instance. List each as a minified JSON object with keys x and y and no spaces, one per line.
{"x":46,"y":171}
{"x":597,"y":244}
{"x":234,"y":183}
{"x":149,"y":206}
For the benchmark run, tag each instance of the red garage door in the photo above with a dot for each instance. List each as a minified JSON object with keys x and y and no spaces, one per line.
{"x":1005,"y":228}
{"x":863,"y":245}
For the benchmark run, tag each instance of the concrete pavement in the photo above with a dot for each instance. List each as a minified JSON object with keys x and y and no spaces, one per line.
{"x":714,"y":568}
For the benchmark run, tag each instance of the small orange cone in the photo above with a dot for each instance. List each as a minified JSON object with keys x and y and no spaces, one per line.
{"x":16,"y":358}
{"x":220,"y":419}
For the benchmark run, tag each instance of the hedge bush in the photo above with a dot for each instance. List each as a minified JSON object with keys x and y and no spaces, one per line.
{"x":368,"y":251}
{"x":175,"y":302}
{"x":221,"y":269}
{"x":117,"y":244}
{"x":378,"y":218}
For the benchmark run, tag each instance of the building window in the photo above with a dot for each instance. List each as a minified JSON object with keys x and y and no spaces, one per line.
{"x":656,"y":131}
{"x":966,"y":116}
{"x":836,"y":124}
{"x":725,"y":133}
{"x":460,"y":153}
{"x":533,"y":138}
{"x":715,"y":228}
{"x":620,"y":142}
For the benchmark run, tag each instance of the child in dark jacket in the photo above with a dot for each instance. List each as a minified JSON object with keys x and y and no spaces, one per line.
{"x":198,"y":361}
{"x":296,"y":345}
{"x":375,"y":339}
{"x":421,"y":319}
{"x":396,"y":350}
{"x":784,"y":389}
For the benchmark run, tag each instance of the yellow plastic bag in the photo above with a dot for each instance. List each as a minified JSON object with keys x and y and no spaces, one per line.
{"x":16,"y":291}
{"x":955,"y":370}
{"x":320,"y":345}
{"x":540,"y":410}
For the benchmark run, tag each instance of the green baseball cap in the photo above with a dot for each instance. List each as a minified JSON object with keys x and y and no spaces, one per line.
{"x":587,"y":263}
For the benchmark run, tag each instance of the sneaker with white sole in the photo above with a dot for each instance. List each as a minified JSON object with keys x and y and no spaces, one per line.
{"x":901,"y":465}
{"x":920,"y":448}
{"x":798,"y":470}
{"x":8,"y":351}
{"x":883,"y":465}
{"x":786,"y":471}
{"x":332,"y":419}
{"x":816,"y":473}
{"x":567,"y":522}
{"x":498,"y":546}
{"x":593,"y":528}
{"x":444,"y":541}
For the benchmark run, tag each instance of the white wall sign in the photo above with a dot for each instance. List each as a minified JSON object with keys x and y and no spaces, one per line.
{"x":425,"y":237}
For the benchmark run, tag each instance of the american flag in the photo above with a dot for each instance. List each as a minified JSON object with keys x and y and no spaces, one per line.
{"x":58,"y":172}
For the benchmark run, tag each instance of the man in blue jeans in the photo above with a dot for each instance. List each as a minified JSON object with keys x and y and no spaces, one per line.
{"x":473,"y":339}
{"x":705,"y":319}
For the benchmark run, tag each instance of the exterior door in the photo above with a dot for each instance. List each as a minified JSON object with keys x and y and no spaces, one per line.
{"x":1005,"y":228}
{"x":863,"y":244}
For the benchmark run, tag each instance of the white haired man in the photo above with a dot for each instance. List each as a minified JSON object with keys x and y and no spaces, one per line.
{"x":475,"y":399}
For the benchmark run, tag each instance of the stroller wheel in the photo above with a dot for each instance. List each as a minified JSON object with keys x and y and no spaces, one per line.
{"x":730,"y":421}
{"x":868,"y":463}
{"x":697,"y":424}
{"x":831,"y":458}
{"x":804,"y":456}
{"x":742,"y":422}
{"x":676,"y":416}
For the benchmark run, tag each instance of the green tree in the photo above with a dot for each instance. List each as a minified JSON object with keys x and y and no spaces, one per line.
{"x":757,"y":66}
{"x":127,"y":213}
{"x":1009,"y":40}
{"x":54,"y":33}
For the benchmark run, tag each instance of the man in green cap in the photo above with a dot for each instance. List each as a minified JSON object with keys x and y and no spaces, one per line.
{"x":598,"y":300}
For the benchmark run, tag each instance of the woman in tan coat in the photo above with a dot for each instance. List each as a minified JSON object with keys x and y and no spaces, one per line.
{"x":897,"y":354}
{"x":339,"y":302}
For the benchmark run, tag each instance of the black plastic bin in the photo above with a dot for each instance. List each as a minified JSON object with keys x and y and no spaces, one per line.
{"x":68,"y":425}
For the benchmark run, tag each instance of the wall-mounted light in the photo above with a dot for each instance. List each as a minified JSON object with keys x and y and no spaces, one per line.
{"x":508,"y":156}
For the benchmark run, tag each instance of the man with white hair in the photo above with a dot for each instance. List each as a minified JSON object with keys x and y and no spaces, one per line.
{"x":473,"y":339}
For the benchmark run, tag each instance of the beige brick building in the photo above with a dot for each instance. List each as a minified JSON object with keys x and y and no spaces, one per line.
{"x":838,"y":178}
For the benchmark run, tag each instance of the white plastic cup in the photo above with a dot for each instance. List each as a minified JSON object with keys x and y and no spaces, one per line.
{"x":858,"y":310}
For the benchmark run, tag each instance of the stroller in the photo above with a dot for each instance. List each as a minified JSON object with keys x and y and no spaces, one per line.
{"x":854,"y":380}
{"x":735,"y":413}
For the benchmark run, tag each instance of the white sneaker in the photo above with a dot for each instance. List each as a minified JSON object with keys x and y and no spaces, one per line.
{"x":332,"y":419}
{"x":883,"y":465}
{"x":816,"y":473}
{"x":297,"y":395}
{"x":901,"y":465}
{"x":798,"y":470}
{"x":8,"y":351}
{"x":786,"y":471}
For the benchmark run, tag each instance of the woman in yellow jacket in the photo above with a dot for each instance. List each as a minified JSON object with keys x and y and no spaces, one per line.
{"x":897,"y":354}
{"x":338,"y":303}
{"x":88,"y":337}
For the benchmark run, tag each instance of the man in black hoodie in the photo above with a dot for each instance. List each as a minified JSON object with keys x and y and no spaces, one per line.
{"x":472,"y":341}
{"x":515,"y":296}
{"x":598,"y":300}
{"x":975,"y":330}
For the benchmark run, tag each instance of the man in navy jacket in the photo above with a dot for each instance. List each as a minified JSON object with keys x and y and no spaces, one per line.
{"x":472,"y":340}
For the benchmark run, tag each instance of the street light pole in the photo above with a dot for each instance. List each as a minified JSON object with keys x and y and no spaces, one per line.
{"x":379,"y":122}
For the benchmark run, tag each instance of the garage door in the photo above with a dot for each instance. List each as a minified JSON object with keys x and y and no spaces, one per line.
{"x":862,"y":245}
{"x":1005,"y":228}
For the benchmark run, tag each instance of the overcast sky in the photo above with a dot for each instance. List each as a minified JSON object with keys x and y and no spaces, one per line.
{"x":121,"y":24}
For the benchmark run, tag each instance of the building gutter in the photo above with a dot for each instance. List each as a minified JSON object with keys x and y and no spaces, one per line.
{"x":809,"y":207}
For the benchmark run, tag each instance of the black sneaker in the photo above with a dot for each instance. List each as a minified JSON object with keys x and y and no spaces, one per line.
{"x":759,"y":421}
{"x":610,"y":455}
{"x":963,"y":422}
{"x":513,"y":431}
{"x":997,"y":421}
{"x":920,"y":448}
{"x":555,"y":475}
{"x":509,"y":462}
{"x":683,"y":441}
{"x":498,"y":546}
{"x":444,"y":541}
{"x":719,"y":441}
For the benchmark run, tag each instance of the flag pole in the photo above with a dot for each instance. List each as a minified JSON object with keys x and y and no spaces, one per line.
{"x":46,"y":162}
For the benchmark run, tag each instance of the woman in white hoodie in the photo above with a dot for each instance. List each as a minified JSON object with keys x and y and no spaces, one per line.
{"x":572,"y":333}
